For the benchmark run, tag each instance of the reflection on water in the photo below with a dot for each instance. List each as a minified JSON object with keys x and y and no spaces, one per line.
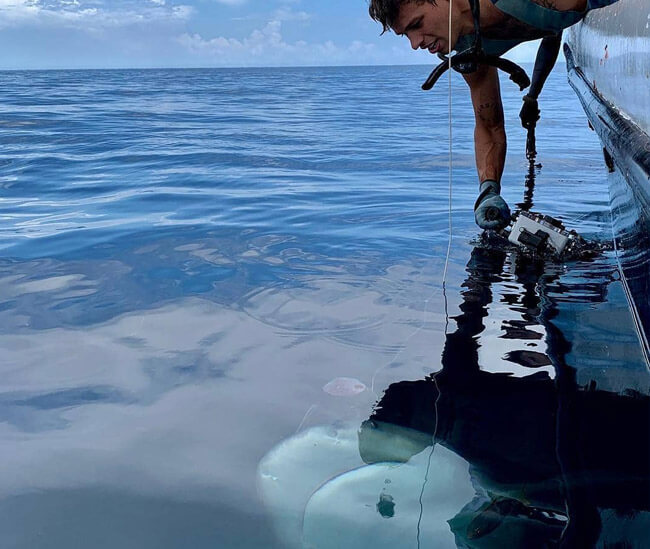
{"x":632,"y":228}
{"x":549,"y":448}
{"x":548,"y":455}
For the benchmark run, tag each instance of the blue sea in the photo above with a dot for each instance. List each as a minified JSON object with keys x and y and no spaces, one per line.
{"x":223,"y":320}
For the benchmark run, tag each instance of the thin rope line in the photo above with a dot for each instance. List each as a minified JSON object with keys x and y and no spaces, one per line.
{"x":426,"y":473}
{"x":444,"y":274}
{"x":444,"y":288}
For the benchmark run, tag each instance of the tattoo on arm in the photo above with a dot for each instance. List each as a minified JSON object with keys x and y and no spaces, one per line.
{"x":489,"y":113}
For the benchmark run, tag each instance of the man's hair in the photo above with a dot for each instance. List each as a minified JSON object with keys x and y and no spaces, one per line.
{"x":386,"y":11}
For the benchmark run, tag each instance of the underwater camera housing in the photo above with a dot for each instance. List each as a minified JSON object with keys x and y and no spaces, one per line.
{"x":541,"y":233}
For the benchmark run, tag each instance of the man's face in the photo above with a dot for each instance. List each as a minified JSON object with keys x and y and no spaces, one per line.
{"x":426,"y":25}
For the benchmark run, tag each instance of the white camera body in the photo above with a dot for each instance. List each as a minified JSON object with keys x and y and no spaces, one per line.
{"x":540,"y":232}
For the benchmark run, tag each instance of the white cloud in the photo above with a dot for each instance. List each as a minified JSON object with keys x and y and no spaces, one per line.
{"x":18,"y":9}
{"x":149,"y":32}
{"x":267,"y":46}
{"x":86,"y":16}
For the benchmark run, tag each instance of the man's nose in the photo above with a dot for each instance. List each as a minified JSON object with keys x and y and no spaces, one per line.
{"x":415,"y":40}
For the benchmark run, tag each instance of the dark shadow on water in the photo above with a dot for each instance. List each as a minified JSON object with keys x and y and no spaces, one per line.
{"x":529,"y":182}
{"x":549,"y":457}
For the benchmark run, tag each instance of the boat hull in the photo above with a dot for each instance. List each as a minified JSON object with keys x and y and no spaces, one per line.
{"x":608,"y":62}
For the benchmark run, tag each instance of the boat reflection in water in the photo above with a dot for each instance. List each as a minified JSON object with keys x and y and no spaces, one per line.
{"x":557,"y":459}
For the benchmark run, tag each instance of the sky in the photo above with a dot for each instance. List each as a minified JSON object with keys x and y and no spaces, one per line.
{"x":46,"y":34}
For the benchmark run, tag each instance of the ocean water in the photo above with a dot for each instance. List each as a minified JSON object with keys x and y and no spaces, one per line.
{"x":223,"y":324}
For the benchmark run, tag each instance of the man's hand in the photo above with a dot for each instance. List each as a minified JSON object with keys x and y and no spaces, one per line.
{"x":529,"y":113}
{"x":490,"y":210}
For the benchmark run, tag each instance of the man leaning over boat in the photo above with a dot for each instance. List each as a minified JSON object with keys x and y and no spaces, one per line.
{"x":503,"y":24}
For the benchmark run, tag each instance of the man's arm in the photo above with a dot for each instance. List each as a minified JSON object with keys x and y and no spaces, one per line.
{"x":489,"y":132}
{"x":544,"y":62}
{"x":490,"y":210}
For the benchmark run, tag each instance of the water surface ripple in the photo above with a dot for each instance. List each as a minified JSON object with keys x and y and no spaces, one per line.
{"x":190,"y":256}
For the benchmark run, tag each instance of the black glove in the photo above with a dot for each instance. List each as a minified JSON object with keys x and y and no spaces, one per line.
{"x":490,"y":210}
{"x":529,"y":113}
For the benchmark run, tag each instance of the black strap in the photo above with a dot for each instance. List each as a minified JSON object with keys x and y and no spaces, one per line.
{"x":468,"y":61}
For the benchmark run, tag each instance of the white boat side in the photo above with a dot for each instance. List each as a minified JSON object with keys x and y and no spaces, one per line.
{"x":608,"y":62}
{"x":611,"y":46}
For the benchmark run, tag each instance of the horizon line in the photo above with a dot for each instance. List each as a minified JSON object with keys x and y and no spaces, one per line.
{"x":257,"y":67}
